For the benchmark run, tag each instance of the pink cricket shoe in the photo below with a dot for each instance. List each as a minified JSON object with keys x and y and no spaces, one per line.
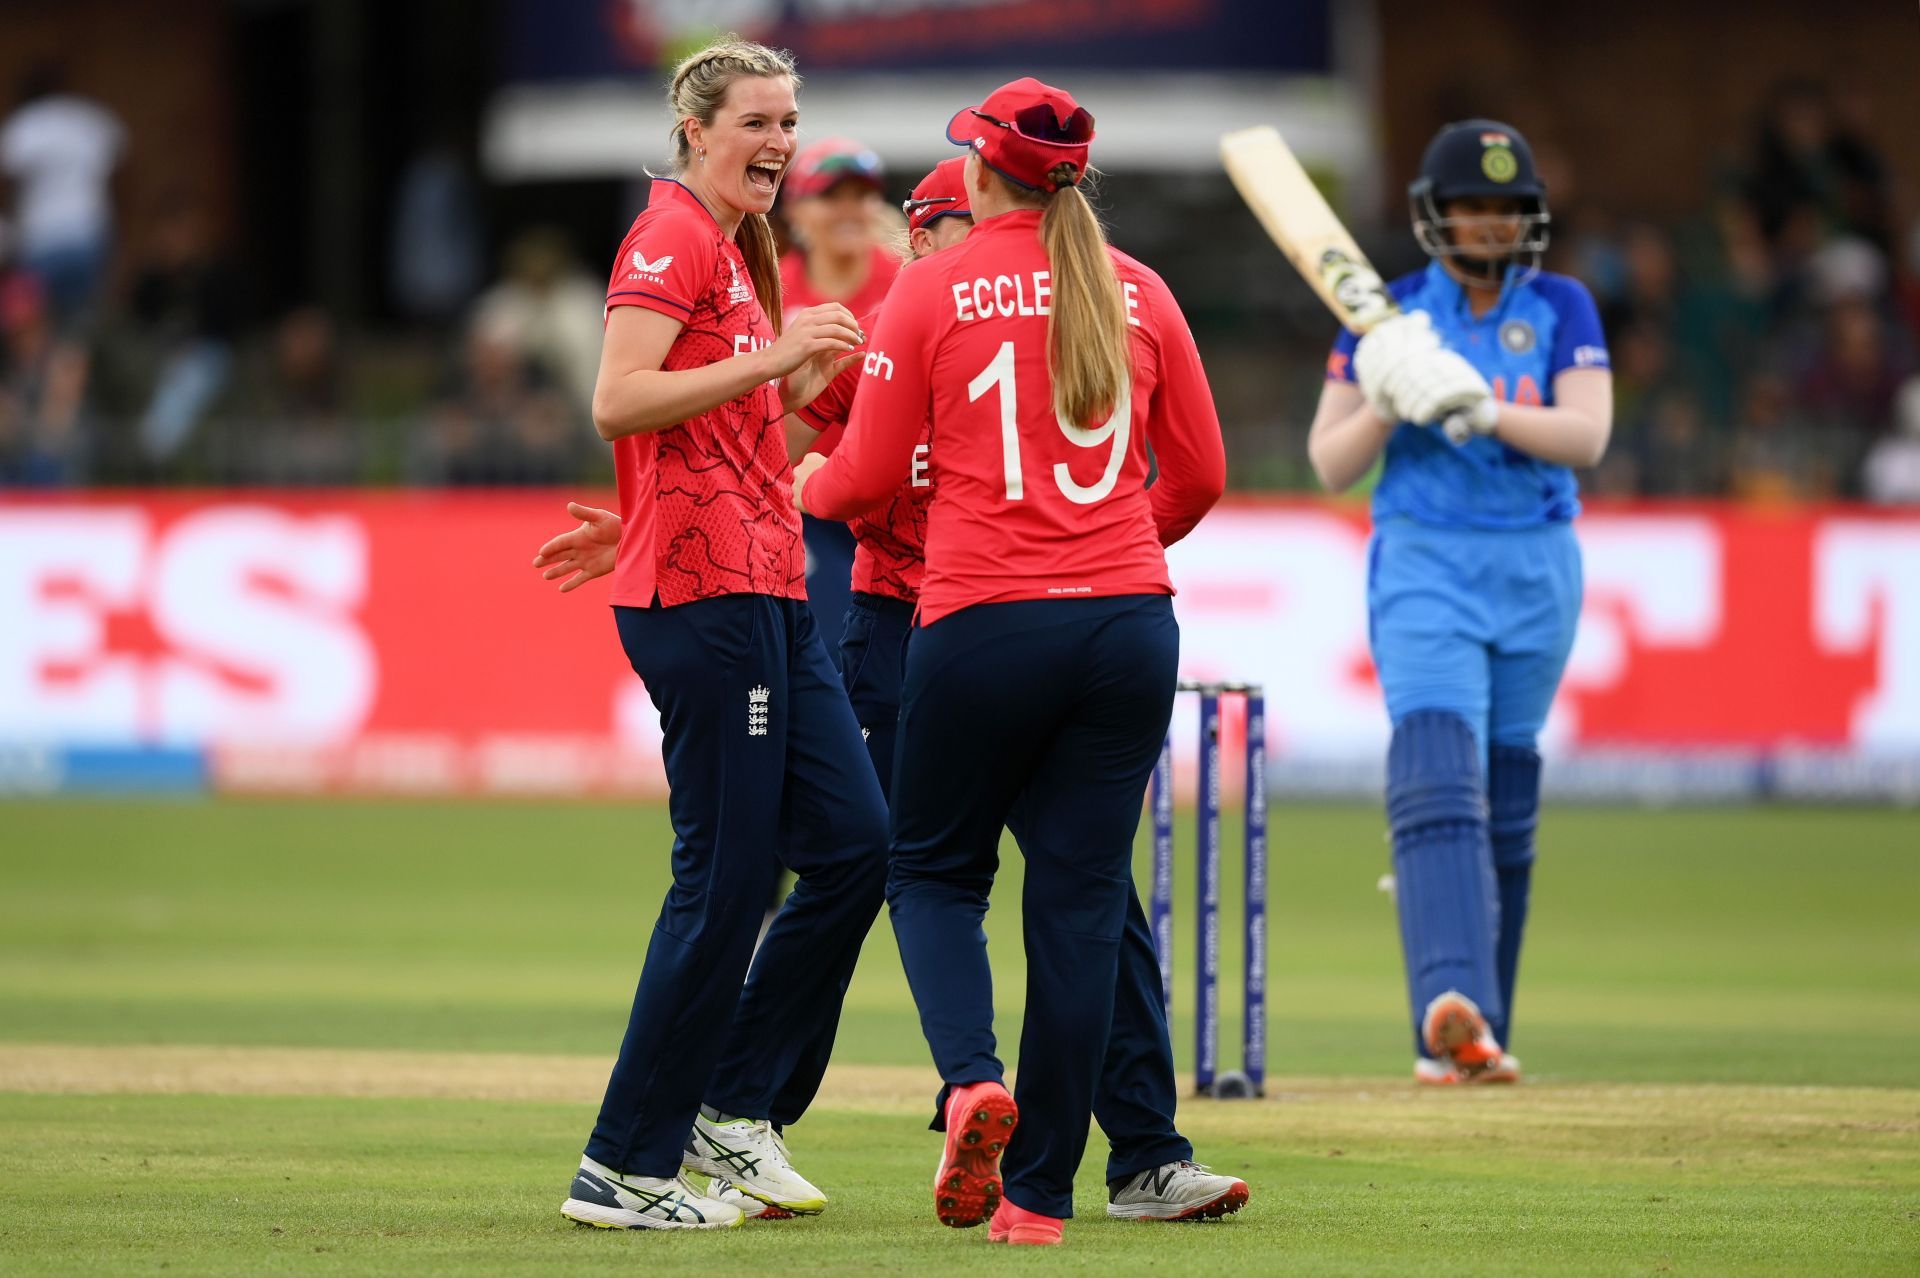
{"x":1020,"y":1227}
{"x":980,"y":1120}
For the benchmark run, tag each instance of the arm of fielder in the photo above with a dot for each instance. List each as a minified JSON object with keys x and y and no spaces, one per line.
{"x":1182,"y":426}
{"x":583,"y":553}
{"x":800,"y":436}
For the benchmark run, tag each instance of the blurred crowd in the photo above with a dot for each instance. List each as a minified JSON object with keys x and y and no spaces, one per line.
{"x":1765,"y":350}
{"x":139,"y":353}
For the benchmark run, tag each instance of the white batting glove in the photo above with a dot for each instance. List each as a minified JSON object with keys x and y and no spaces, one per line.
{"x":1386,"y":350}
{"x":1479,"y":418}
{"x":1429,"y":387}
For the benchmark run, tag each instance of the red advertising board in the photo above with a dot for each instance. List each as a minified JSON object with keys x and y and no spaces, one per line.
{"x":403,"y":642}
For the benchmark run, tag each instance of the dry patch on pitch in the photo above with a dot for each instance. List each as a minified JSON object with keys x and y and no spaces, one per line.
{"x":1325,"y":1117}
{"x":295,"y":1071}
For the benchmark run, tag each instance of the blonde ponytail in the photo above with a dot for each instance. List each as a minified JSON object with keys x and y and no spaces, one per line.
{"x":1088,"y":354}
{"x":696,"y":92}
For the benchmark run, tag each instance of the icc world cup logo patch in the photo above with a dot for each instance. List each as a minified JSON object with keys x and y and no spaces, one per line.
{"x":1498,"y":164}
{"x":1517,"y":337}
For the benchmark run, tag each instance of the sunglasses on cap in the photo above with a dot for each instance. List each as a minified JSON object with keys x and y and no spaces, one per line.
{"x":1038,"y":123}
{"x":910,"y":207}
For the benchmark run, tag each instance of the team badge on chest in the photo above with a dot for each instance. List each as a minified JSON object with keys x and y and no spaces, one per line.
{"x":1517,"y":337}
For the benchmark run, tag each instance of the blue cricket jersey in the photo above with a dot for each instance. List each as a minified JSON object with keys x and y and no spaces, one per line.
{"x":1539,"y":329}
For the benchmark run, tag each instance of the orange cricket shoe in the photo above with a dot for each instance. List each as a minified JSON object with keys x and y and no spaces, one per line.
{"x":1456,"y":1034}
{"x":1431,"y":1073}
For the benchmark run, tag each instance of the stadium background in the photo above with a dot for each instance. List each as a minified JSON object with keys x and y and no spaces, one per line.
{"x":297,"y":1024}
{"x":361,"y":241}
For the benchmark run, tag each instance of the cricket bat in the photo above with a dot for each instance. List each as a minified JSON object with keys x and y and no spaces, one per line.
{"x":1295,"y":214}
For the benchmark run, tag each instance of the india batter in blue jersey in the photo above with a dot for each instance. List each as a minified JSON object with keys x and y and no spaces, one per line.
{"x":1473,"y":592}
{"x":1473,"y":573}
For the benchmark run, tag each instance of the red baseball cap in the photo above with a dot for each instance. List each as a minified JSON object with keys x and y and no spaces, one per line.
{"x":941,"y":193}
{"x":1023,"y":130}
{"x":821,"y":164}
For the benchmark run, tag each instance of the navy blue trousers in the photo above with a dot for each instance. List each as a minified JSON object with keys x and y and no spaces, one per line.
{"x":1136,"y":1099}
{"x":829,"y":570}
{"x":1045,"y":715}
{"x":764,"y":766}
{"x":873,"y":664}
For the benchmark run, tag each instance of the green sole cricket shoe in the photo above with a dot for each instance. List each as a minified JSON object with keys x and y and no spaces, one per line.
{"x":752,"y":1208}
{"x":751,"y":1156}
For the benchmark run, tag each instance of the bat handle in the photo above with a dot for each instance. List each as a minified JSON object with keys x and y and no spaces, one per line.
{"x":1458,"y":431}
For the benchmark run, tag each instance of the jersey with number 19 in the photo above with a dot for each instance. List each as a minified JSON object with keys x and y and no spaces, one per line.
{"x":1025,"y":505}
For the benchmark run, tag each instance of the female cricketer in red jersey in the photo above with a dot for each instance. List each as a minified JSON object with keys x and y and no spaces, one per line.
{"x":762,"y":753}
{"x":1151,"y":1174}
{"x":837,"y":221}
{"x":1040,"y":680}
{"x":889,"y":555}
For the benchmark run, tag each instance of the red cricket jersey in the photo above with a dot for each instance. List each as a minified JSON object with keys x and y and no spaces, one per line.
{"x":890,"y":541}
{"x":796,"y":293}
{"x":706,"y":505}
{"x":1025,"y":506}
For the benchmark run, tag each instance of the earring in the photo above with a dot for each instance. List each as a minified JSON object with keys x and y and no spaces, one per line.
{"x":703,"y":155}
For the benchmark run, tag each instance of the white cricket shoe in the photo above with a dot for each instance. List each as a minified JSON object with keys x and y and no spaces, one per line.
{"x":605,"y":1199}
{"x":1432,"y":1073}
{"x":750,"y":1155}
{"x":1176,"y":1191}
{"x":752,"y":1208}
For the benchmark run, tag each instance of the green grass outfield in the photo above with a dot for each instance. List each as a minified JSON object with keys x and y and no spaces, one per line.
{"x":1720,"y":1018}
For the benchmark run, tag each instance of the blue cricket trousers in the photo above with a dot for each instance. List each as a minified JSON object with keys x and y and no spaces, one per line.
{"x":1473,"y":622}
{"x":1470,"y":628}
{"x":1136,"y":1099}
{"x":764,"y":764}
{"x":1045,"y":715}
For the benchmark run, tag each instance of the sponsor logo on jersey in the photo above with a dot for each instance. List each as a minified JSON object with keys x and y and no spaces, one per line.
{"x":1517,"y":337}
{"x":1590,"y":357}
{"x":652,"y":270}
{"x":876,"y":364}
{"x":738,"y":294}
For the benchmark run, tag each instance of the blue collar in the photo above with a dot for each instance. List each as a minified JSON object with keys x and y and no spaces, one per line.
{"x":681,"y":193}
{"x":1444,"y":286}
